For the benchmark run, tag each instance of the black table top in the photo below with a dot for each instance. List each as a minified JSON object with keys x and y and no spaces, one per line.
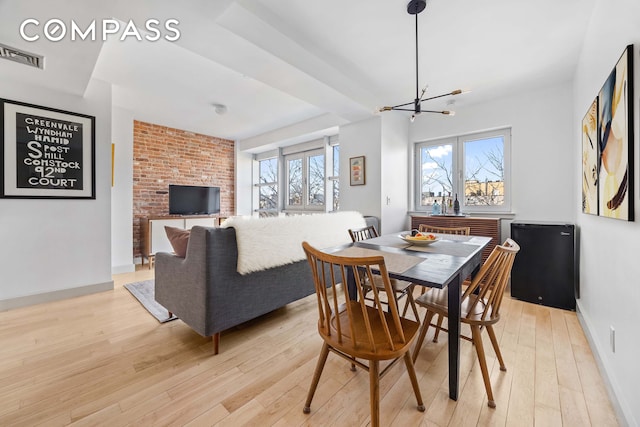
{"x":441,"y":261}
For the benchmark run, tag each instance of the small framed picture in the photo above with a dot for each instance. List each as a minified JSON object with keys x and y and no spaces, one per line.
{"x":356,"y":170}
{"x":46,"y":153}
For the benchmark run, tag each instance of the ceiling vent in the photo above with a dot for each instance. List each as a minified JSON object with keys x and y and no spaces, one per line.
{"x":22,"y":57}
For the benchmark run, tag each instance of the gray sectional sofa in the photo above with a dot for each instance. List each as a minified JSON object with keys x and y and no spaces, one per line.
{"x":207,"y":293}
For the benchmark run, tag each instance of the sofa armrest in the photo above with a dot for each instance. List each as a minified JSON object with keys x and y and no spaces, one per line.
{"x":181,"y":283}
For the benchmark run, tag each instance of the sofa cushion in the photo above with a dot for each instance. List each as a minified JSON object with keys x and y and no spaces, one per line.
{"x":179,"y":239}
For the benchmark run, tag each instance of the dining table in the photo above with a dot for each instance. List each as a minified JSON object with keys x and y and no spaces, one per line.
{"x":442,"y":263}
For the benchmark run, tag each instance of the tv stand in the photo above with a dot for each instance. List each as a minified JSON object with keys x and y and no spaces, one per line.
{"x":154,"y":238}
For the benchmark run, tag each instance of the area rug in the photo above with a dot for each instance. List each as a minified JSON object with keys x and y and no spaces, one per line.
{"x":145,"y":293}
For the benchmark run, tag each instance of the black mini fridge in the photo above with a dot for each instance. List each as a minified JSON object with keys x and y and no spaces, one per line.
{"x":545,"y":270}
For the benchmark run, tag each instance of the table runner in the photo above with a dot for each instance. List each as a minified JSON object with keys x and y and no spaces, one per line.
{"x":454,"y":245}
{"x":396,"y":263}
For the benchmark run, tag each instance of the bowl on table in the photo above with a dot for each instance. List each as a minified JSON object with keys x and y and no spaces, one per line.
{"x":420,"y":239}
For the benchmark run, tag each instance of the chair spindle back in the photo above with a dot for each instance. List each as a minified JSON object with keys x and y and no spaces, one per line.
{"x":362,"y":321}
{"x":492,"y":279}
{"x":461,"y":231}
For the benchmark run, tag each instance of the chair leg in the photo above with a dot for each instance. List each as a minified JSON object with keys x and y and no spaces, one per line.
{"x":496,"y":348}
{"x":438,"y":327}
{"x":414,"y":380}
{"x":374,"y":392}
{"x":423,"y":333}
{"x":406,"y":304}
{"x":216,"y":343}
{"x":316,"y":377}
{"x":411,"y":301}
{"x":477,"y":340}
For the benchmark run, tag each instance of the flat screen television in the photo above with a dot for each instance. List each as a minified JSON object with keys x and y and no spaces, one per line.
{"x":193,"y":200}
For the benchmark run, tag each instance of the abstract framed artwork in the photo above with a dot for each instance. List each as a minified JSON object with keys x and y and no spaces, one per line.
{"x":590,"y":154}
{"x":615,"y":141}
{"x":356,"y":171}
{"x":46,"y":153}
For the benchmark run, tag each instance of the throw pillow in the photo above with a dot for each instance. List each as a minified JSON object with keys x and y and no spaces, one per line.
{"x":179,"y":238}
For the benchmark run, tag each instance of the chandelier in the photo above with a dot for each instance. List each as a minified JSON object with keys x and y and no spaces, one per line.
{"x":414,"y":8}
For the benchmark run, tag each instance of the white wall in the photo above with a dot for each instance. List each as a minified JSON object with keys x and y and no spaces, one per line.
{"x":56,"y":248}
{"x":362,"y":138}
{"x":395,"y":181}
{"x":609,"y":267}
{"x":244,"y":182}
{"x":122,"y":192}
{"x":542,"y":153}
{"x":383,"y":142}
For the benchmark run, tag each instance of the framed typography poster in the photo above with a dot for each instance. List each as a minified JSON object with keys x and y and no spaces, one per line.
{"x":46,"y":153}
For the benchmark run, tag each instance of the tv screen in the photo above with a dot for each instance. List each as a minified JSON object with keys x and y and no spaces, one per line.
{"x":193,"y":200}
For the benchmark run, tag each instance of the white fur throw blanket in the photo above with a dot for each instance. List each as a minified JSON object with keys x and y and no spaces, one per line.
{"x":270,"y":242}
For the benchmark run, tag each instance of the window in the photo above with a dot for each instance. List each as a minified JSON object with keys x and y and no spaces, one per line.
{"x":300,"y":178}
{"x":306,"y":180}
{"x":268,"y":187}
{"x":473,"y":167}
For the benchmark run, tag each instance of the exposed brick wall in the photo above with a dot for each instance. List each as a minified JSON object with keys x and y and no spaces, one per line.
{"x":163,"y":156}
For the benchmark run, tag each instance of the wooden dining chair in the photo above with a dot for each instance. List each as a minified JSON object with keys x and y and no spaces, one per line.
{"x":480,"y":306}
{"x":461,"y":231}
{"x":355,"y":330}
{"x":400,"y":287}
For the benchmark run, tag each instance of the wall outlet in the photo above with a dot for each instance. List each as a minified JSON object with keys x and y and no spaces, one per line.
{"x":612,"y":338}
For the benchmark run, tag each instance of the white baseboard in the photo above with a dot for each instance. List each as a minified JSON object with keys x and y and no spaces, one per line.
{"x":127,"y":268}
{"x":620,"y":405}
{"x":58,"y":295}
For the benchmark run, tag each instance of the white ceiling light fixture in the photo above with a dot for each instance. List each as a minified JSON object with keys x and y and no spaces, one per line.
{"x":414,"y":7}
{"x":220,"y":108}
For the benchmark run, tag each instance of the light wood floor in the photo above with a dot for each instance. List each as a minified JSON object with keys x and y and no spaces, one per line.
{"x":103,"y":360}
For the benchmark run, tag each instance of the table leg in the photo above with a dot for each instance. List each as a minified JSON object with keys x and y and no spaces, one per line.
{"x":454,"y":336}
{"x":351,"y":285}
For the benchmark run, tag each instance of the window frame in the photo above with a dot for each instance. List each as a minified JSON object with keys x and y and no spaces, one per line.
{"x":333,"y":173}
{"x":304,"y":156}
{"x":325,"y":147}
{"x":459,"y":167}
{"x":258,"y":185}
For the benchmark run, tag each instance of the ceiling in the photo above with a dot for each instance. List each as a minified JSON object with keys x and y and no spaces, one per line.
{"x":288,"y":70}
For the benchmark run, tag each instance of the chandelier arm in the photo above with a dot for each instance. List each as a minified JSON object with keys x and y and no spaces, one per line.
{"x":424,"y":90}
{"x":421,"y":111}
{"x":437,"y":112}
{"x":438,"y":96}
{"x":402,"y":105}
